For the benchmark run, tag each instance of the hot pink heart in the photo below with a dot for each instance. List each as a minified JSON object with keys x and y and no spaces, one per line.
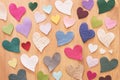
{"x":91,"y":75}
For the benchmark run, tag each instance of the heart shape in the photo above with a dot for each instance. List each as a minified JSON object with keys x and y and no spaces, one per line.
{"x":29,"y":62}
{"x":40,"y":42}
{"x":42,"y":76}
{"x":57,"y":75}
{"x":12,"y":46}
{"x":92,"y":47}
{"x":47,"y":9}
{"x":88,"y":4}
{"x":12,"y":62}
{"x":26,"y":45}
{"x":52,"y":63}
{"x":85,"y":33}
{"x":33,"y":5}
{"x":108,"y":77}
{"x":107,"y":65}
{"x":64,"y":7}
{"x":75,"y":53}
{"x":102,"y":51}
{"x":63,"y":39}
{"x":55,"y":19}
{"x":3,"y":12}
{"x":17,"y":13}
{"x":91,"y":75}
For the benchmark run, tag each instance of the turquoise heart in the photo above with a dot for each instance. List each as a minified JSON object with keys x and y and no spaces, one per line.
{"x":47,"y":9}
{"x":57,"y":75}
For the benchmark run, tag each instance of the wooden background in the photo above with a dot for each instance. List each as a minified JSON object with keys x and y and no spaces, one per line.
{"x":5,"y":69}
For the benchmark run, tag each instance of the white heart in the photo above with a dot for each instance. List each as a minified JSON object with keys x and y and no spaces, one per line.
{"x":29,"y":62}
{"x":3,"y":12}
{"x":64,"y":7}
{"x":40,"y":42}
{"x":45,"y":28}
{"x":92,"y":47}
{"x":110,"y":51}
{"x":102,"y":51}
{"x":106,"y":39}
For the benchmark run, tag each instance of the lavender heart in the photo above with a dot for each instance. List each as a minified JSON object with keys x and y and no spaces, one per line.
{"x":88,"y":4}
{"x":81,"y":13}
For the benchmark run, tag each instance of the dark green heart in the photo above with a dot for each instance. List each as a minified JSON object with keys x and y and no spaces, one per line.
{"x":105,"y":6}
{"x":12,"y":46}
{"x":41,"y":76}
{"x":107,"y":65}
{"x":33,"y":6}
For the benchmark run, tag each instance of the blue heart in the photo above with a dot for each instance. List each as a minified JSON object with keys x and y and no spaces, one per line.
{"x":63,"y":39}
{"x":47,"y":9}
{"x":85,"y":33}
{"x":57,"y":75}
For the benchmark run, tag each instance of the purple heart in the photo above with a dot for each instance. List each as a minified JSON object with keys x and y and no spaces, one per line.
{"x":25,"y":27}
{"x":88,"y":4}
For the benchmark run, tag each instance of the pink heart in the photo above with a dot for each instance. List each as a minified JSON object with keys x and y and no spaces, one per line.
{"x":75,"y":53}
{"x":17,"y":13}
{"x":91,"y":75}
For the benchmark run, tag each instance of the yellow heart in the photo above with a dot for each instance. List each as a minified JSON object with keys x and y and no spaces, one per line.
{"x":55,"y":19}
{"x":12,"y":62}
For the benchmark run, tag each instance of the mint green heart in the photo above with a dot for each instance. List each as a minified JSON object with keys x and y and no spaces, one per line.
{"x":12,"y":46}
{"x":41,"y":76}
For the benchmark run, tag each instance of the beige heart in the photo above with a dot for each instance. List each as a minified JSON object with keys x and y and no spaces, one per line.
{"x":12,"y":62}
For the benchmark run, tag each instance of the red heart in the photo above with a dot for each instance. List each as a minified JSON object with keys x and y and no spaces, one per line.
{"x":75,"y":53}
{"x":26,"y":45}
{"x":91,"y":75}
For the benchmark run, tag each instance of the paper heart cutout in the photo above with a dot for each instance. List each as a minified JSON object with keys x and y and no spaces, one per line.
{"x":29,"y":62}
{"x":39,"y":41}
{"x":75,"y":53}
{"x":55,"y":19}
{"x":57,"y":75}
{"x":17,"y":13}
{"x":52,"y":63}
{"x":105,"y":38}
{"x":64,"y":7}
{"x":26,"y":45}
{"x":91,"y":75}
{"x":82,"y":13}
{"x":88,"y":4}
{"x":33,"y":5}
{"x":107,"y":65}
{"x":102,"y":51}
{"x":3,"y":12}
{"x":12,"y":46}
{"x":92,"y":47}
{"x":85,"y":33}
{"x":12,"y":62}
{"x":47,"y":9}
{"x":63,"y":39}
{"x":92,"y":61}
{"x":108,"y":77}
{"x":42,"y":76}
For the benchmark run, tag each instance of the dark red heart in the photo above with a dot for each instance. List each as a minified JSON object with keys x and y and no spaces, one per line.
{"x":81,"y":13}
{"x":108,"y":77}
{"x":26,"y":45}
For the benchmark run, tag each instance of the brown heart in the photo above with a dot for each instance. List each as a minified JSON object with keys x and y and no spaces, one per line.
{"x":108,"y":77}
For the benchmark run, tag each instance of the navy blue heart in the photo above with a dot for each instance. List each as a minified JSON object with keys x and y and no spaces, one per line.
{"x":85,"y":33}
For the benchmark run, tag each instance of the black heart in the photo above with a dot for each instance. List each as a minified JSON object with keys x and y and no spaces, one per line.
{"x":108,"y":77}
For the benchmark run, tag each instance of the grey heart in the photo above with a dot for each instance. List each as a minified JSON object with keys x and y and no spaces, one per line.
{"x":52,"y":63}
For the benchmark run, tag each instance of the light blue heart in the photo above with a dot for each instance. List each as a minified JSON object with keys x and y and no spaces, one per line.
{"x":47,"y":9}
{"x":63,"y":39}
{"x":57,"y":75}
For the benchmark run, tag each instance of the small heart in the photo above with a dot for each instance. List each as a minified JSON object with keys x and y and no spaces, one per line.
{"x":75,"y":53}
{"x":55,"y":19}
{"x":17,"y":13}
{"x":52,"y":63}
{"x":33,"y":6}
{"x":3,"y":12}
{"x":107,"y":65}
{"x":57,"y":75}
{"x":108,"y":77}
{"x":88,"y":4}
{"x":92,"y":47}
{"x":102,"y":51}
{"x":29,"y":62}
{"x":47,"y":9}
{"x":91,"y":75}
{"x":110,"y":51}
{"x":12,"y":62}
{"x":42,"y":76}
{"x":12,"y":46}
{"x":63,"y":39}
{"x":26,"y":45}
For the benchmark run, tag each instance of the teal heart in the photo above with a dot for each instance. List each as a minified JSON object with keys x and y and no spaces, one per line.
{"x":33,"y":6}
{"x":57,"y":75}
{"x":12,"y":46}
{"x":105,"y":6}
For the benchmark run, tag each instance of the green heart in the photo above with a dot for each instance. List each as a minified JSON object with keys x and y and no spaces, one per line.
{"x":105,"y":6}
{"x":33,"y":6}
{"x":12,"y":46}
{"x":95,"y":22}
{"x":8,"y":29}
{"x":107,"y":65}
{"x":41,"y":76}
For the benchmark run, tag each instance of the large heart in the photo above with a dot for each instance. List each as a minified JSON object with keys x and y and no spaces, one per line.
{"x":3,"y":12}
{"x":33,"y":6}
{"x":42,"y":76}
{"x":108,"y":77}
{"x":88,"y":4}
{"x":107,"y":65}
{"x":81,"y":13}
{"x":52,"y":63}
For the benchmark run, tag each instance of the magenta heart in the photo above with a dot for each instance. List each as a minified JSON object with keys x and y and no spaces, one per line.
{"x":88,"y":4}
{"x":91,"y":75}
{"x":17,"y":13}
{"x":25,"y":27}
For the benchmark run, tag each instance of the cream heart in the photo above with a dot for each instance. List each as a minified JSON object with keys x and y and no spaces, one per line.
{"x":12,"y":62}
{"x":102,"y":51}
{"x":29,"y":62}
{"x":110,"y":51}
{"x":64,"y":7}
{"x":104,"y":38}
{"x":40,"y":42}
{"x":92,"y":47}
{"x":3,"y":12}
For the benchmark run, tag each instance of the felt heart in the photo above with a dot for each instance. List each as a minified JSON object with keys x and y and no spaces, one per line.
{"x":55,"y":19}
{"x":68,"y":22}
{"x":47,"y":9}
{"x":91,"y":75}
{"x":52,"y":63}
{"x":64,"y":7}
{"x":105,"y":38}
{"x":92,"y":47}
{"x":107,"y":65}
{"x":57,"y":75}
{"x":42,"y":76}
{"x":45,"y":28}
{"x":33,"y":6}
{"x":63,"y":39}
{"x":105,"y":6}
{"x":3,"y":12}
{"x":26,"y":45}
{"x":21,"y":75}
{"x":110,"y":23}
{"x":96,"y":22}
{"x":12,"y":46}
{"x":39,"y":17}
{"x":75,"y":53}
{"x":81,"y":13}
{"x":25,"y":27}
{"x":29,"y":62}
{"x":102,"y":51}
{"x":88,"y":4}
{"x":108,"y":77}
{"x":12,"y":62}
{"x":17,"y":13}
{"x":8,"y":29}
{"x":91,"y":61}
{"x":40,"y":42}
{"x":85,"y":33}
